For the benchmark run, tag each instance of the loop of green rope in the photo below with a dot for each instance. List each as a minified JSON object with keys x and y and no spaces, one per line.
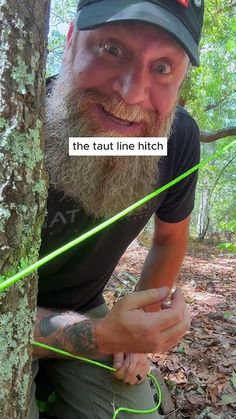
{"x":107,"y":367}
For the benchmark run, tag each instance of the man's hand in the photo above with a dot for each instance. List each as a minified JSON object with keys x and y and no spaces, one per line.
{"x":131,"y":368}
{"x":128,"y":326}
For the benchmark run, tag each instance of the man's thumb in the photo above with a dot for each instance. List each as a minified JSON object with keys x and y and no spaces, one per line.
{"x":140,"y":299}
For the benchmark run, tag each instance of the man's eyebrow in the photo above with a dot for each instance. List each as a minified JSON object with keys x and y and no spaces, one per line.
{"x":109,"y":30}
{"x":121,"y":33}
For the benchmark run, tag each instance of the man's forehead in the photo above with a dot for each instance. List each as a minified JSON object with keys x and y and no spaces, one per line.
{"x":128,"y":29}
{"x":180,"y":18}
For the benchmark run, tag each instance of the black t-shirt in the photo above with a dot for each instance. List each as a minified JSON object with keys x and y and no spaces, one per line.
{"x":75,"y":280}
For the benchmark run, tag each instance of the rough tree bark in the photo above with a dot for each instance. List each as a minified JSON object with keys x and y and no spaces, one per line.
{"x":23,"y":188}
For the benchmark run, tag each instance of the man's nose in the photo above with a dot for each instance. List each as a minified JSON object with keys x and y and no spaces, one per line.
{"x":133,"y":86}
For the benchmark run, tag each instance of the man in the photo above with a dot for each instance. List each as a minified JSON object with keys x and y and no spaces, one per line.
{"x":124,"y":64}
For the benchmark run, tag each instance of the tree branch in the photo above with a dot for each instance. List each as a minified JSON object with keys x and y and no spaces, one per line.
{"x":60,"y":19}
{"x":214,"y":105}
{"x":209,"y":137}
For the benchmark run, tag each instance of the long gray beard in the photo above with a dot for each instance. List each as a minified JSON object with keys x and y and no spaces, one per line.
{"x":102,"y":185}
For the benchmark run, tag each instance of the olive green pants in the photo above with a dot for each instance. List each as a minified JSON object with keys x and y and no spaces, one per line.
{"x":88,"y":392}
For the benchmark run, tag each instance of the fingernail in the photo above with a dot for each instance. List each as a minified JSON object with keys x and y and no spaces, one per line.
{"x":164,"y":291}
{"x":117,"y":366}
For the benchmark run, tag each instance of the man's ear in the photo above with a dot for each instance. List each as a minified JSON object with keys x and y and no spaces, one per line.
{"x":69,"y":35}
{"x":68,"y":52}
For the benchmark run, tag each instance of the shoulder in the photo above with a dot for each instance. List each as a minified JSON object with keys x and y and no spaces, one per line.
{"x":185,"y":132}
{"x":184,"y":124}
{"x":184,"y":142}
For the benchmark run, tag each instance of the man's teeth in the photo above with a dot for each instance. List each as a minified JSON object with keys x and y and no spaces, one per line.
{"x":119,"y":120}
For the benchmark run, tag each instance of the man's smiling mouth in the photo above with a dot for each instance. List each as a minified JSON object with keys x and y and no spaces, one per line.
{"x":111,"y":123}
{"x":121,"y":121}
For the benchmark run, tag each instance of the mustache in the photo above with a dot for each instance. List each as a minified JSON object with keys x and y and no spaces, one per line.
{"x":102,"y":186}
{"x":112,"y":104}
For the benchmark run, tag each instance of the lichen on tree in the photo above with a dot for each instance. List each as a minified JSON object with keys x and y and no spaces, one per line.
{"x":23,"y":188}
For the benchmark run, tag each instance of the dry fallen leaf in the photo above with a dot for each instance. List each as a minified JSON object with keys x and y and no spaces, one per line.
{"x":200,"y":369}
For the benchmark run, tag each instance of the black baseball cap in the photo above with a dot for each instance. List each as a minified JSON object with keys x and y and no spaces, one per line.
{"x":181,"y":18}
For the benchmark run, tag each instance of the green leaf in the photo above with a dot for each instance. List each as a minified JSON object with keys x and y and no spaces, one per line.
{"x":42,"y":406}
{"x":227,"y":246}
{"x":131,"y":278}
{"x":181,"y":349}
{"x":24,"y":263}
{"x":2,"y":278}
{"x":228,"y":314}
{"x":170,"y":384}
{"x":52,"y":398}
{"x":228,"y":399}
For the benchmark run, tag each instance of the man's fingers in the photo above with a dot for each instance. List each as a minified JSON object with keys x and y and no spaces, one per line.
{"x":135,"y":364}
{"x":120,"y":374}
{"x":170,"y":316}
{"x":167,"y":303}
{"x":141,"y":299}
{"x":127,"y":326}
{"x":176,"y":294}
{"x":118,"y":360}
{"x":173,"y":334}
{"x":139,"y":365}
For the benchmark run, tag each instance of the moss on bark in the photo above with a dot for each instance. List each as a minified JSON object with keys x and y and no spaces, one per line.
{"x":23,"y":188}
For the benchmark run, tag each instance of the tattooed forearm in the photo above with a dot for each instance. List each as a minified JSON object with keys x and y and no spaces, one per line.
{"x":49,"y":325}
{"x":68,"y":331}
{"x":81,"y":337}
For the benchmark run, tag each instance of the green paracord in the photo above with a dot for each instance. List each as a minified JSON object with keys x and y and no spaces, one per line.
{"x":20,"y":275}
{"x":107,"y":367}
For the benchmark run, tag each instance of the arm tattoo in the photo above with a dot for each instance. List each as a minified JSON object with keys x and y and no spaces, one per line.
{"x":49,"y":325}
{"x":70,"y":332}
{"x":82,"y":338}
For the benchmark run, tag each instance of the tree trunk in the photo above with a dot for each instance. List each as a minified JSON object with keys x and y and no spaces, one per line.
{"x":23,"y":189}
{"x":203,"y":216}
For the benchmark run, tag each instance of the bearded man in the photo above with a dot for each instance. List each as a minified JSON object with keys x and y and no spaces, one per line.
{"x":124,"y":64}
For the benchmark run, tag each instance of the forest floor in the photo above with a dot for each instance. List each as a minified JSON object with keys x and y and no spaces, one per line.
{"x":201,"y":371}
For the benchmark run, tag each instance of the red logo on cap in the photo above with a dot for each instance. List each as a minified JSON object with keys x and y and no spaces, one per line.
{"x":184,"y":3}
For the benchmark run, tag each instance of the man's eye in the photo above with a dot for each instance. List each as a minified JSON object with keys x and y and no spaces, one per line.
{"x":163,"y":68}
{"x":112,"y":49}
